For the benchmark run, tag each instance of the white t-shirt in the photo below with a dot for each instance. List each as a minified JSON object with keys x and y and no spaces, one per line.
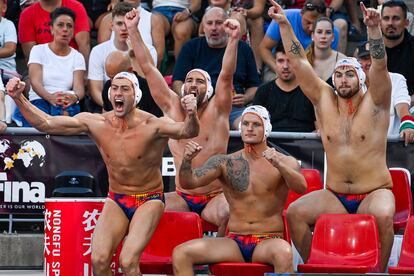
{"x":57,"y":70}
{"x":171,"y":3}
{"x":399,"y":94}
{"x":97,"y":59}
{"x":7,"y":34}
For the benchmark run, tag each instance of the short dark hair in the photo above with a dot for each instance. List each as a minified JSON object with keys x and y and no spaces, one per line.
{"x":280,"y":48}
{"x":395,"y":3}
{"x":121,"y":9}
{"x":314,"y":5}
{"x":61,"y":11}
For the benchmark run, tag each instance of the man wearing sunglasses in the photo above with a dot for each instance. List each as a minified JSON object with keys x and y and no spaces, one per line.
{"x":301,"y":21}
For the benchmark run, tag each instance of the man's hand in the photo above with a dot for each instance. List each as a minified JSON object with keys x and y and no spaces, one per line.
{"x":132,"y":19}
{"x":276,"y":13}
{"x":15,"y":87}
{"x":372,"y":18}
{"x":189,"y":102}
{"x":232,"y":28}
{"x":408,"y":135}
{"x":274,"y":157}
{"x":3,"y":126}
{"x":239,"y":100}
{"x":181,"y":16}
{"x":191,"y":150}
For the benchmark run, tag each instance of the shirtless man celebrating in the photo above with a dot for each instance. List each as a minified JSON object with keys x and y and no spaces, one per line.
{"x":131,"y":143}
{"x":255,"y":181}
{"x":214,"y":121}
{"x":353,"y":127}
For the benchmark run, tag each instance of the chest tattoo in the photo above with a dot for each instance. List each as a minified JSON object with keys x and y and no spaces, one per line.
{"x":238,"y":173}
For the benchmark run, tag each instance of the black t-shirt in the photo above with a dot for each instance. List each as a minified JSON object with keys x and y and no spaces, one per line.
{"x":289,"y":111}
{"x":147,"y":103}
{"x":400,"y":59}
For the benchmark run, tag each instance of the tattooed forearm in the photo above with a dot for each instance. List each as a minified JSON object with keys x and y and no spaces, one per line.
{"x":212,"y":164}
{"x":238,"y":173}
{"x":295,"y":48}
{"x":377,"y":48}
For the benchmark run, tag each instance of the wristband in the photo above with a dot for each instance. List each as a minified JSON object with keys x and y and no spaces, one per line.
{"x":407,"y":122}
{"x":188,"y":11}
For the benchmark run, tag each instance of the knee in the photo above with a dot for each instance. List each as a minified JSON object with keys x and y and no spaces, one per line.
{"x":294,"y":213}
{"x":100,"y":261}
{"x":181,"y":255}
{"x":182,"y":34}
{"x":282,"y":258}
{"x":342,"y":25}
{"x":128,"y":264}
{"x":385,"y":220}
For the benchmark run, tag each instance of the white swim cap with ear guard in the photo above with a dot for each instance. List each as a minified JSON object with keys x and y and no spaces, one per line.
{"x":353,"y":62}
{"x":207,"y":77}
{"x":263,"y":114}
{"x":135,"y":84}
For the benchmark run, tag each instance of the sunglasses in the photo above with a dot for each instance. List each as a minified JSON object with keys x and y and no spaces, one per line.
{"x":312,"y":7}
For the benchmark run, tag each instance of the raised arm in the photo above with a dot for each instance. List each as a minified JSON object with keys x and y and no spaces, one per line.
{"x":41,"y":121}
{"x":308,"y":80}
{"x":289,"y":168}
{"x":380,"y":83}
{"x":224,"y":84}
{"x":192,"y":178}
{"x":182,"y":130}
{"x":159,"y":89}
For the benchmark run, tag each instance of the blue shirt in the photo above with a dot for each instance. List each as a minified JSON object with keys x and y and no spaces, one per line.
{"x":295,"y":19}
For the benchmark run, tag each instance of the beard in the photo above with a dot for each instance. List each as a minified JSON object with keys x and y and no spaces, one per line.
{"x":216,"y":42}
{"x":393,"y":36}
{"x":346,"y":92}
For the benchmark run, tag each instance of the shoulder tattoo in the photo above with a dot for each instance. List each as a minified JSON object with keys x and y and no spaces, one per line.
{"x":238,"y":173}
{"x":377,"y":48}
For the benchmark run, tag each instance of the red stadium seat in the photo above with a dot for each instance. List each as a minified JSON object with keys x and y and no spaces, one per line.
{"x":403,"y":199}
{"x":240,"y":269}
{"x":406,"y":261}
{"x":314,"y":182}
{"x":174,"y":228}
{"x":208,"y":227}
{"x":344,"y":243}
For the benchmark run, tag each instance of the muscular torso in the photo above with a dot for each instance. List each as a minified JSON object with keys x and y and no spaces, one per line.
{"x":132,"y":155}
{"x":256,"y":193}
{"x":355,"y":146}
{"x":213,"y":137}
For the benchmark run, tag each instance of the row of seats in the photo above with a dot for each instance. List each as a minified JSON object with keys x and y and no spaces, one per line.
{"x":341,"y":243}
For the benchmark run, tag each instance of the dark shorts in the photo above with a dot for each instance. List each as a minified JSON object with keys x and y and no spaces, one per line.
{"x":130,"y":203}
{"x":197,"y":203}
{"x":350,"y":202}
{"x":247,"y":243}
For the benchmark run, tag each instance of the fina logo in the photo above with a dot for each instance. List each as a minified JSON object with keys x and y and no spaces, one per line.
{"x":30,"y":153}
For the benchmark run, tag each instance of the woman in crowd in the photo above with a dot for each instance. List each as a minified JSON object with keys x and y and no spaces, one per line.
{"x":56,"y":71}
{"x":320,"y":53}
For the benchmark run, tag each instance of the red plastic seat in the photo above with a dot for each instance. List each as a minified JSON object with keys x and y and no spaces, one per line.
{"x":314,"y":181}
{"x":240,"y":269}
{"x":406,"y":261}
{"x":208,"y":227}
{"x":344,"y":243}
{"x":403,"y":199}
{"x":174,"y":228}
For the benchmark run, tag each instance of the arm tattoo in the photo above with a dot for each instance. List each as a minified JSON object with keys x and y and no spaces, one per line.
{"x":377,"y":48}
{"x":238,"y":172}
{"x":211,"y":165}
{"x":295,"y":48}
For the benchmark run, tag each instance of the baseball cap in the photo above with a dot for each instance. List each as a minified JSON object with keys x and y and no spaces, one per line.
{"x":363,"y":50}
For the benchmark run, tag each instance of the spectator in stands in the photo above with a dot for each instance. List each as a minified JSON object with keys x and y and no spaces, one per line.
{"x":207,"y":53}
{"x":254,"y":176}
{"x":410,"y":16}
{"x":131,"y":143}
{"x":96,"y":71}
{"x":117,"y":62}
{"x":208,"y":201}
{"x":320,"y":53}
{"x":150,"y":26}
{"x":8,"y":42}
{"x":34,"y":26}
{"x":302,"y":22}
{"x":56,"y":70}
{"x":353,"y":127}
{"x":177,"y":19}
{"x":399,"y":44}
{"x":289,"y":108}
{"x":97,"y":9}
{"x":401,"y":122}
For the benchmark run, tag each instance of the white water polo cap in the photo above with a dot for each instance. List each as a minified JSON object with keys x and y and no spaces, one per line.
{"x":353,"y":62}
{"x":135,"y":84}
{"x":263,"y":114}
{"x":207,"y":77}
